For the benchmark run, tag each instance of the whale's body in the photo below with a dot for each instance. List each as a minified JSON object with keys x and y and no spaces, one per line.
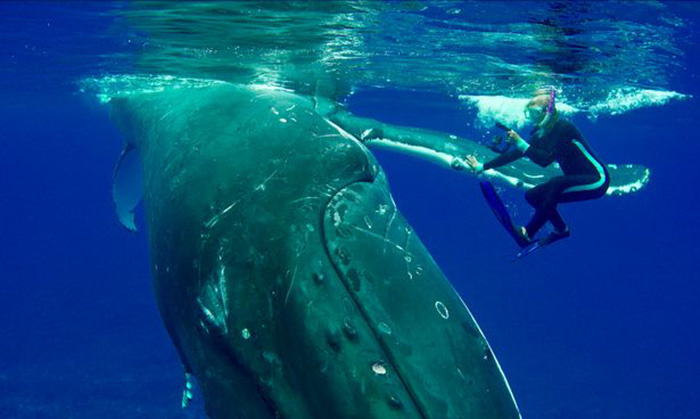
{"x":285,"y":275}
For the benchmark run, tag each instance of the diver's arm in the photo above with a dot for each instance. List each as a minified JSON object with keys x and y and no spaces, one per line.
{"x":509,"y":156}
{"x":543,"y":150}
{"x":539,"y":156}
{"x":505,"y":158}
{"x":519,"y":143}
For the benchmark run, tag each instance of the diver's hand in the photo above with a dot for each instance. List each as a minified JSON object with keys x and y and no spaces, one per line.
{"x":517,"y":141}
{"x":514,"y":137}
{"x":474,"y":164}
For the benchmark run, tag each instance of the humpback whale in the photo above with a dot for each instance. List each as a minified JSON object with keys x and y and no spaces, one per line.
{"x":287,"y":279}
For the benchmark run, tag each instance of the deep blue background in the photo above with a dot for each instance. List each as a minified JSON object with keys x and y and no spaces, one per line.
{"x":603,"y":325}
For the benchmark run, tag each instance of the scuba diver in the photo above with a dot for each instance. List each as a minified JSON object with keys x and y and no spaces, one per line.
{"x":552,"y":139}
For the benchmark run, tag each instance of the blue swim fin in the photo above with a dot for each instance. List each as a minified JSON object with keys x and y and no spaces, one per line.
{"x":501,"y":213}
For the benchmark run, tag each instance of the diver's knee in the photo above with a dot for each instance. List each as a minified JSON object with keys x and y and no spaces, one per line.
{"x":531,"y":197}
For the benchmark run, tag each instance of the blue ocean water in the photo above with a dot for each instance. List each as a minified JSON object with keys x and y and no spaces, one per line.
{"x":603,"y":325}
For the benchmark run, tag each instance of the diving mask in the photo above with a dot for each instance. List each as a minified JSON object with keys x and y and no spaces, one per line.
{"x":535,"y":114}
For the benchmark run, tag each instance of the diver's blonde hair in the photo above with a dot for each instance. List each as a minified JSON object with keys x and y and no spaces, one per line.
{"x":545,"y":98}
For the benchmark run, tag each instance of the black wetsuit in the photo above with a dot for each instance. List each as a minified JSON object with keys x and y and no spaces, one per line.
{"x":585,"y":175}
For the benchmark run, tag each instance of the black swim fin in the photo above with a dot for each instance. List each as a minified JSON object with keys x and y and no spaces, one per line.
{"x":552,"y":237}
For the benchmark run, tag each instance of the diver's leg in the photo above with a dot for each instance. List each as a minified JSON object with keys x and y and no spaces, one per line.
{"x":580,"y":191}
{"x":557,"y":222}
{"x":544,"y":199}
{"x":570,"y":188}
{"x":536,"y":195}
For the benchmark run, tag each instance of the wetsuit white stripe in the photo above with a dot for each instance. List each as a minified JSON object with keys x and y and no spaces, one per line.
{"x":598,"y":167}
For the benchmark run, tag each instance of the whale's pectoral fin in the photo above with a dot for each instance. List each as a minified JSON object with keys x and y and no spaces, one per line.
{"x":430,"y":338}
{"x":449,"y":151}
{"x":126,"y":186}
